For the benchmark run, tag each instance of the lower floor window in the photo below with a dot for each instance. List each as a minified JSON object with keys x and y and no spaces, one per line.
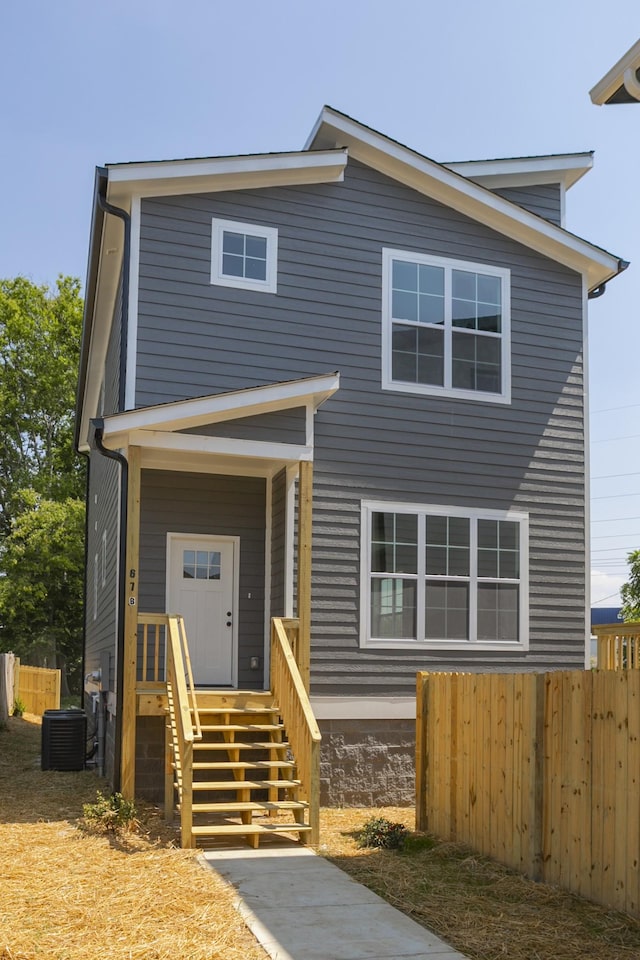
{"x":443,"y":575}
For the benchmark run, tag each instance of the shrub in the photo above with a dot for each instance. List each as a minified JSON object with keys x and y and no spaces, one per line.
{"x":380,"y":832}
{"x":19,"y":707}
{"x":114,"y":814}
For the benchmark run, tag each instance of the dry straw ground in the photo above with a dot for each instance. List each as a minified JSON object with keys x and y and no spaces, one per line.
{"x":483,"y":909}
{"x":69,"y":894}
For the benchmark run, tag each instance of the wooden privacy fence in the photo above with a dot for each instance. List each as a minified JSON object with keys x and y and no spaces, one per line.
{"x":539,"y":771}
{"x":38,"y":688}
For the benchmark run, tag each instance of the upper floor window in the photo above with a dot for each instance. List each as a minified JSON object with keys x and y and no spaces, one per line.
{"x":446,"y":327}
{"x":244,"y":255}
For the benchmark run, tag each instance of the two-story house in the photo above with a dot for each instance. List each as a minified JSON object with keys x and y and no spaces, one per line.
{"x":345,"y":385}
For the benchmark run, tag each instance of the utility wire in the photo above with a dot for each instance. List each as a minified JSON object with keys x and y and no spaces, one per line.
{"x":627,"y":406}
{"x":630,"y":436}
{"x":615,"y":476}
{"x":614,"y":519}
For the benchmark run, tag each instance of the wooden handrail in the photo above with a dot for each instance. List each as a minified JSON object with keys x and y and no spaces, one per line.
{"x":618,"y":646}
{"x":301,"y":726}
{"x":184,"y":716}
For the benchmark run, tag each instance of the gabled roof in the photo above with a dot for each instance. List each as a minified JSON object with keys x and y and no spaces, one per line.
{"x":622,"y":83}
{"x":437,"y":181}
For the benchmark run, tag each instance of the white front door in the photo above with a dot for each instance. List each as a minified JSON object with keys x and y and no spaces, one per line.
{"x":202,"y":587}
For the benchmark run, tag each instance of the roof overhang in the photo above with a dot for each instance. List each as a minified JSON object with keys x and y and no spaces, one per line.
{"x":213,"y":174}
{"x":456,"y":191}
{"x":622,"y":83}
{"x":159,"y":430}
{"x":565,"y":169}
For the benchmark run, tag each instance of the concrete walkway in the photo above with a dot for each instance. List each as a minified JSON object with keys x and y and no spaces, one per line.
{"x":301,"y":907}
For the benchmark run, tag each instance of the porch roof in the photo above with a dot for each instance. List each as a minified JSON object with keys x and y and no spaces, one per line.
{"x":158,"y":430}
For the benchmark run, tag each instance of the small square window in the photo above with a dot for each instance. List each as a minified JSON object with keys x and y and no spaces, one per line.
{"x":244,"y":255}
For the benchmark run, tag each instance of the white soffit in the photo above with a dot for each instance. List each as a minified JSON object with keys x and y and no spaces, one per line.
{"x":179,"y":177}
{"x":566,"y":169}
{"x":216,"y":408}
{"x":453,"y":190}
{"x":623,"y":74}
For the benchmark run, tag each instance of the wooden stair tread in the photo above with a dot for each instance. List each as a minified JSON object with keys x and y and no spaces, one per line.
{"x":233,"y":785}
{"x":235,"y":711}
{"x":242,"y":745}
{"x":241,"y":727}
{"x":245,"y":806}
{"x":245,"y":829}
{"x":244,"y":765}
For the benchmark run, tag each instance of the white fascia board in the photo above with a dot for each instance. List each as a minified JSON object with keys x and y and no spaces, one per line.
{"x":111,"y":252}
{"x":189,"y":414}
{"x":435,"y":181}
{"x":525,"y":171}
{"x":178,"y":177}
{"x":215,"y":446}
{"x":615,"y":77}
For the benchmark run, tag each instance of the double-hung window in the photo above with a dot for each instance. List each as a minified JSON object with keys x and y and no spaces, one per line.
{"x":244,"y":255}
{"x":443,"y":577}
{"x":446,"y":327}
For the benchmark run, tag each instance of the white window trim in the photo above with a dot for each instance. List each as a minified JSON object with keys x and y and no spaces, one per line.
{"x":103,"y":563}
{"x":95,"y":587}
{"x":270,"y":234}
{"x":388,"y":383}
{"x":421,"y":509}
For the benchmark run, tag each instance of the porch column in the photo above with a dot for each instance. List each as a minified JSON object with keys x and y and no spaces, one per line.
{"x":128,"y":756}
{"x":305,"y":503}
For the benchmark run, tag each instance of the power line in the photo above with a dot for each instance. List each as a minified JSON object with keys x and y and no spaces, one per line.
{"x":630,"y":436}
{"x":616,"y":496}
{"x":615,"y":476}
{"x":606,"y":598}
{"x":614,"y":519}
{"x":627,"y":406}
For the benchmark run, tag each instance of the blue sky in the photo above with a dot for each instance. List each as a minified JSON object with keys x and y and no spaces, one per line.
{"x":86,"y":83}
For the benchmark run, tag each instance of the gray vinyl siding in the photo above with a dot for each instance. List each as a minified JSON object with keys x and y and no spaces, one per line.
{"x":287,"y":426}
{"x":199,"y":503}
{"x":278,"y":542}
{"x":544,"y":199}
{"x":195,"y":338}
{"x":103,"y":514}
{"x":112,"y":363}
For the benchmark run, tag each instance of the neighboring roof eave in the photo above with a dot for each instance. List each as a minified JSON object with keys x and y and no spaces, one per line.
{"x":405,"y":165}
{"x":565,"y":169}
{"x":219,"y":407}
{"x":621,"y":84}
{"x":213,"y":174}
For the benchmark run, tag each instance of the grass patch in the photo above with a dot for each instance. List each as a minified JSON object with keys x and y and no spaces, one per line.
{"x":73,"y":894}
{"x":481,"y":908}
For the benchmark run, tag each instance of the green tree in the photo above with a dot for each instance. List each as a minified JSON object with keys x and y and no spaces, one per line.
{"x":630,"y":591}
{"x":39,"y":348}
{"x":41,"y":478}
{"x":42,"y":588}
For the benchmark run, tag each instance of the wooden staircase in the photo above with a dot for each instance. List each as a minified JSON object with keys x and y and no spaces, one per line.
{"x":239,"y":763}
{"x":244,"y":782}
